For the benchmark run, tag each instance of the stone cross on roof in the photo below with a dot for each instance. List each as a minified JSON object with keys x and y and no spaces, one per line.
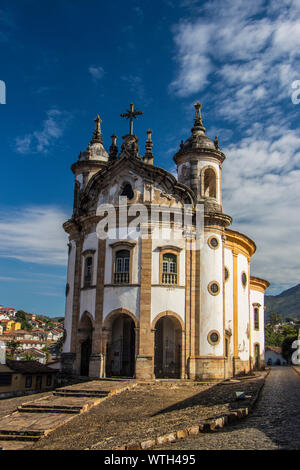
{"x":131,"y":115}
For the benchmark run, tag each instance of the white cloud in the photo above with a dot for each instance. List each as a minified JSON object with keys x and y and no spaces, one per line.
{"x":249,"y":52}
{"x":40,"y":141}
{"x":97,"y":72}
{"x":35,"y":235}
{"x":261,"y":191}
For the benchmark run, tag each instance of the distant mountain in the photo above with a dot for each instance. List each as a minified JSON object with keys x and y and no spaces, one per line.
{"x":286,"y":304}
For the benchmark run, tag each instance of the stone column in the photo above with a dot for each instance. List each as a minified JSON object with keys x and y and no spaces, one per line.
{"x":96,"y":359}
{"x":69,"y":360}
{"x":145,"y":357}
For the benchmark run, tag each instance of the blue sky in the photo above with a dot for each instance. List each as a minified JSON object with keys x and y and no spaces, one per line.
{"x":64,"y":61}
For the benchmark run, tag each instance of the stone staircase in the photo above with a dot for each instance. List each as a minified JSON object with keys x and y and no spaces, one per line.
{"x":6,"y":435}
{"x":35,"y":420}
{"x":81,"y":393}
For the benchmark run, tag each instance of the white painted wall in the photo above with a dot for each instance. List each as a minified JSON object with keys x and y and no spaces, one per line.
{"x":168,"y":298}
{"x":69,"y":297}
{"x":257,"y":336}
{"x":211,"y":309}
{"x":243,"y":309}
{"x":121,"y":297}
{"x":228,"y":262}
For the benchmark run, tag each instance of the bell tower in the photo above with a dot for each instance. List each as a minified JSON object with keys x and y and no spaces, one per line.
{"x":199,"y":165}
{"x":93,"y":159}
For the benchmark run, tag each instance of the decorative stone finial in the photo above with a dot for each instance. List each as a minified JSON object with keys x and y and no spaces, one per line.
{"x":113,"y":149}
{"x":97,"y":136}
{"x":148,"y":158}
{"x":198,"y":125}
{"x":216,"y":142}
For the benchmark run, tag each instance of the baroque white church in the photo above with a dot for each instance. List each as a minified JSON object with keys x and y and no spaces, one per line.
{"x":153,"y":306}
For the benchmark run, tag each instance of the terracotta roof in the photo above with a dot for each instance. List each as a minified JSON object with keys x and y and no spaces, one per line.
{"x":28,"y":367}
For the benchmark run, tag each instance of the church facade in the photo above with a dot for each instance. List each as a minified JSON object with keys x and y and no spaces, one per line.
{"x":157,"y":305}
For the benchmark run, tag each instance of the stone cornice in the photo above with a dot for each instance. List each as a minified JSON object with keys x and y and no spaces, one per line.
{"x":88,"y":165}
{"x":213,"y":219}
{"x":239,"y":243}
{"x":198,"y":151}
{"x":258,"y":284}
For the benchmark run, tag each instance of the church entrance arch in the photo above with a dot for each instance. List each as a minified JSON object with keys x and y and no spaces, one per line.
{"x":168,"y":348}
{"x":85,"y":338}
{"x":120,"y":351}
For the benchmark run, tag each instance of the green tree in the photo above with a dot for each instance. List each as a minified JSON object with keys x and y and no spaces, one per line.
{"x":21,"y":316}
{"x":273,"y":337}
{"x":13,"y":346}
{"x":46,"y":350}
{"x":275,"y":318}
{"x":28,"y":357}
{"x":25,"y":325}
{"x":288,"y":330}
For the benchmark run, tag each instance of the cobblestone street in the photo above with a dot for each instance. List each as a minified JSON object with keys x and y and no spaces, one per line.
{"x":274,"y":423}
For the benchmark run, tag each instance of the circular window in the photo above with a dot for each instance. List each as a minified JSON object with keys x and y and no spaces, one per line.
{"x":213,"y":242}
{"x":244,"y":279}
{"x":226,"y":273}
{"x":213,"y":337}
{"x":214,"y":288}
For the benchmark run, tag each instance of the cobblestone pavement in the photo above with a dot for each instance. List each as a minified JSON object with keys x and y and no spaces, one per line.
{"x":273,"y":424}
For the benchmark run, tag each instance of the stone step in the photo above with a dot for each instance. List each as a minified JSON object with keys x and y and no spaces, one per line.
{"x":80,"y":394}
{"x":45,"y":409}
{"x":52,"y":406}
{"x":21,"y":433}
{"x":14,"y":437}
{"x":82,"y":390}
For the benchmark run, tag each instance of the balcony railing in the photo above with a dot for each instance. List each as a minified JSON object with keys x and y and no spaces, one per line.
{"x":169,"y":278}
{"x":121,"y":278}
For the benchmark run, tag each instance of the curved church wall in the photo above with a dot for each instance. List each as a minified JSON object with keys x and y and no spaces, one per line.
{"x":211,"y":306}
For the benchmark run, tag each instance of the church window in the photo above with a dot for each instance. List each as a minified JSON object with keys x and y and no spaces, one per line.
{"x":213,"y":337}
{"x":256,"y":318}
{"x":127,"y":191}
{"x":214,"y":288}
{"x":122,"y":267}
{"x":169,"y":269}
{"x":213,"y":242}
{"x":210,"y":183}
{"x":244,"y":279}
{"x":88,"y":271}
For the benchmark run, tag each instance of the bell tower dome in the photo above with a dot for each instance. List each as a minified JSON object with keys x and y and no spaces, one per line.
{"x":199,"y":165}
{"x":89,"y":162}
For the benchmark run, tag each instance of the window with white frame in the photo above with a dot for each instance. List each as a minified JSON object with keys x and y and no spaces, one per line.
{"x":169,"y":268}
{"x":122,"y":267}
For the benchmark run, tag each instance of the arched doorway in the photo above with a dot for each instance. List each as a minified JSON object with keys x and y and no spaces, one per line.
{"x":121,"y":348}
{"x":167,"y":348}
{"x":85,"y":338}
